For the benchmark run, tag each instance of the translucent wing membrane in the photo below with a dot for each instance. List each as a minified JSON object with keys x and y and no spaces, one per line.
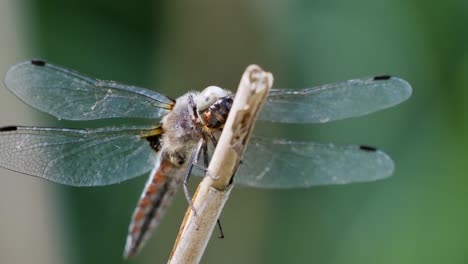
{"x":76,"y":157}
{"x":69,"y":95}
{"x":335,"y":101}
{"x":272,"y":163}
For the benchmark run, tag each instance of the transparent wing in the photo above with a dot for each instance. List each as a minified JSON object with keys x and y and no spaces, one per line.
{"x":335,"y":101}
{"x":69,"y":95}
{"x":76,"y":157}
{"x":270,"y":163}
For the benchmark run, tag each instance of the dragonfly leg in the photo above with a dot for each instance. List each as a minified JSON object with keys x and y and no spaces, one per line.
{"x":205,"y":155}
{"x":192,"y":162}
{"x":206,"y":161}
{"x":213,"y":139}
{"x":221,"y":235}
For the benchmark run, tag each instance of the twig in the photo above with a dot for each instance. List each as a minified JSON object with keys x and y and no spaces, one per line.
{"x":213,"y":191}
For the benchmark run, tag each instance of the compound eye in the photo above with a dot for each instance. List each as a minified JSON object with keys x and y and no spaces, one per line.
{"x":208,"y":96}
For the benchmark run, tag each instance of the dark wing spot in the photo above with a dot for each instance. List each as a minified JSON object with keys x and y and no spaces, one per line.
{"x":8,"y":128}
{"x":367,"y":148}
{"x":38,"y":62}
{"x":382,"y":77}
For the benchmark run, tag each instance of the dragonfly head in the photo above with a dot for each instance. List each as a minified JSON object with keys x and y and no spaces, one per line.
{"x":208,"y":96}
{"x":213,"y":105}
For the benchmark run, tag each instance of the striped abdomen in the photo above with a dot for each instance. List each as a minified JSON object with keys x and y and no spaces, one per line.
{"x":156,"y":197}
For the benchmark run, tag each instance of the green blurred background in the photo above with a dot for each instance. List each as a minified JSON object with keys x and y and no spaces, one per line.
{"x":419,"y":215}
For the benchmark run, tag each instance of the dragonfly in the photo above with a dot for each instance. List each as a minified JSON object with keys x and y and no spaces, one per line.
{"x":179,"y":133}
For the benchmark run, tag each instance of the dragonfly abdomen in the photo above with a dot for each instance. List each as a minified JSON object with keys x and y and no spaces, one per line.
{"x":155,"y":199}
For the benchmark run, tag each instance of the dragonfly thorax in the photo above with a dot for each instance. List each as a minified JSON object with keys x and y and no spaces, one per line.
{"x":194,"y":115}
{"x":180,"y":131}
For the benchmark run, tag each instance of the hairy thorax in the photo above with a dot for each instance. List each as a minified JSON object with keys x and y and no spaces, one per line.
{"x":180,"y":132}
{"x":195,"y":116}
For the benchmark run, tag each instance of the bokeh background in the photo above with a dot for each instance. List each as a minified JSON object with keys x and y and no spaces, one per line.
{"x":419,"y":215}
